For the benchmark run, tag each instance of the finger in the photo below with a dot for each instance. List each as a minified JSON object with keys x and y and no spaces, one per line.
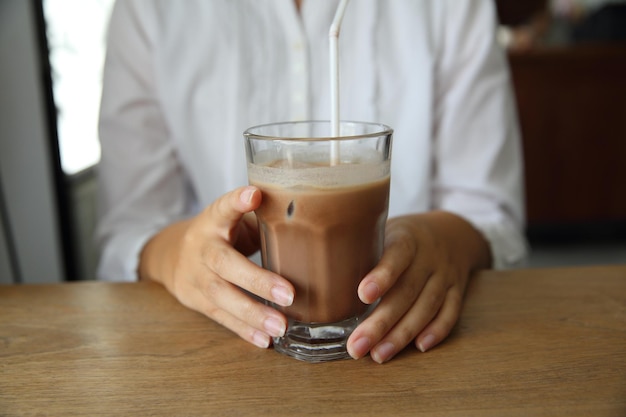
{"x":244,"y":308}
{"x":392,"y":307}
{"x":411,"y":324}
{"x":235,"y":268}
{"x":229,"y":306}
{"x":226,"y":212}
{"x":398,"y":255}
{"x":401,"y":315}
{"x":242,"y":329}
{"x":441,"y":326}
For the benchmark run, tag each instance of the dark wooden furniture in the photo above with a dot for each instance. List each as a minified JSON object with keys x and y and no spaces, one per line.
{"x":572,"y":107}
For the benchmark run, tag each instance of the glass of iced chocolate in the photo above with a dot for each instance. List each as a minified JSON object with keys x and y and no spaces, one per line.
{"x":321,"y":222}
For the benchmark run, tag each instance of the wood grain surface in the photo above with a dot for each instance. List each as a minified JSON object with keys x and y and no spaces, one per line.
{"x":545,"y":342}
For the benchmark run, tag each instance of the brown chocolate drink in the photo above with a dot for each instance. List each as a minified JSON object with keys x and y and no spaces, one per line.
{"x":323,"y":233}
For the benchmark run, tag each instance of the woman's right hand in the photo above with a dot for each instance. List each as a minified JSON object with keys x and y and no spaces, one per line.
{"x":203,"y":263}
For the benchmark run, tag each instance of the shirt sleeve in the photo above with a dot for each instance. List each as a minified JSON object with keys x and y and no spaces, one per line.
{"x":478,"y":153}
{"x":141,"y":186}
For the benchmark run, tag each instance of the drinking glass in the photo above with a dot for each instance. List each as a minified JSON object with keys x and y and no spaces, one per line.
{"x":321,"y":223}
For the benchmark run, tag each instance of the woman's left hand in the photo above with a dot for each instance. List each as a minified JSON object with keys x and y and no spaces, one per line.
{"x":420,"y":280}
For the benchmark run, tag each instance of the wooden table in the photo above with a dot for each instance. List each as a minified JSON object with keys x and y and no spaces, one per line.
{"x":549,"y":342}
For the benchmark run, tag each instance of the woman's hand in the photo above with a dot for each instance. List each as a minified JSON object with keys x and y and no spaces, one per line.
{"x":203,"y":263}
{"x":421,"y":280}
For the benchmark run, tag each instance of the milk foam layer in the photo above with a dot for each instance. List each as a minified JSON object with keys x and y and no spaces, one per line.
{"x":282,"y":174}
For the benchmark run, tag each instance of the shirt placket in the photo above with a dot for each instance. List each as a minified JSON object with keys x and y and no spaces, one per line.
{"x":297,"y":59}
{"x":300,"y":85}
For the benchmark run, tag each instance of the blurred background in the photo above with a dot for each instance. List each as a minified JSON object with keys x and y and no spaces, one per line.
{"x":568,"y":64}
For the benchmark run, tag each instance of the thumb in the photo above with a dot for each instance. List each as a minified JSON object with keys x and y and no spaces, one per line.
{"x":226,"y":212}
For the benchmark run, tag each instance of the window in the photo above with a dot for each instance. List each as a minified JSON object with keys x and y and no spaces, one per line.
{"x":76,"y":32}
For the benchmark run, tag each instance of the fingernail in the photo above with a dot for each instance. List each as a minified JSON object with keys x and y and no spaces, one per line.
{"x":360,"y":348}
{"x":261,"y":340}
{"x":246,"y":195}
{"x":426,"y":343}
{"x":371,"y":292}
{"x":282,"y":296}
{"x":383,"y":352}
{"x":274,"y":327}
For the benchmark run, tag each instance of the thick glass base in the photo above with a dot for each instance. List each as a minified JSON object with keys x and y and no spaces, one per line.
{"x":316,"y":342}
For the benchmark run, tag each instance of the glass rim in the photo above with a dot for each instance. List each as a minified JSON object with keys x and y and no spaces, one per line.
{"x":383,"y":130}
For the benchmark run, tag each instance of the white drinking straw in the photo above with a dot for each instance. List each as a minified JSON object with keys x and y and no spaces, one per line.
{"x":333,"y":38}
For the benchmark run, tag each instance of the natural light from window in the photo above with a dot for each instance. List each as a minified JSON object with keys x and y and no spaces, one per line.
{"x":76,"y":32}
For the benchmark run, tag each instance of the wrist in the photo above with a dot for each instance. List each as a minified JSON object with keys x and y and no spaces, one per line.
{"x":159,"y":256}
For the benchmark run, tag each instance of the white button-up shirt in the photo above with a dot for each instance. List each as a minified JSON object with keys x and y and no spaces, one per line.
{"x":184,"y":79}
